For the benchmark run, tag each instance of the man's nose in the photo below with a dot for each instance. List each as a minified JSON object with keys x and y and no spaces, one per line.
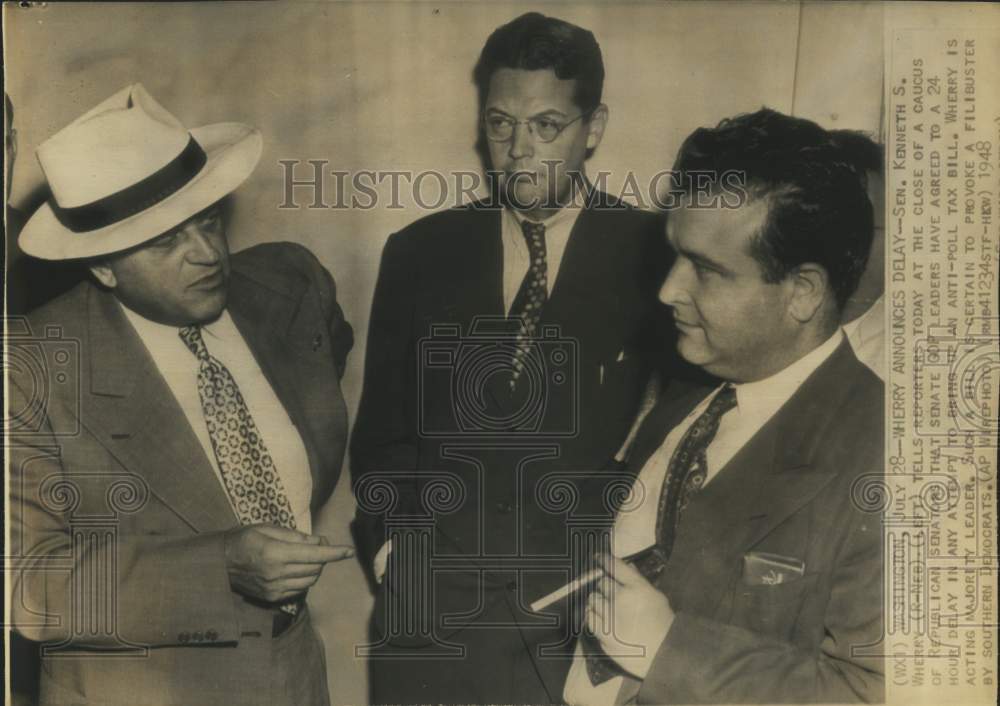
{"x":203,"y":249}
{"x":522,"y":142}
{"x":674,"y":290}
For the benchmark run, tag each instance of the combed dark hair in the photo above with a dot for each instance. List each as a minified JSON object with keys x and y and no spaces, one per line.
{"x":818,"y":209}
{"x":534,"y":41}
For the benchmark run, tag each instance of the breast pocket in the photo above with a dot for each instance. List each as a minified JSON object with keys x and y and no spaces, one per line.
{"x":772,"y":610}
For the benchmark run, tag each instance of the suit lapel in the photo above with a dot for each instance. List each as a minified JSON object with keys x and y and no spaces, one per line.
{"x":578,"y":301}
{"x":797,"y":471}
{"x":717,"y":522}
{"x":769,"y":479}
{"x":265,"y":318}
{"x":131,"y":410}
{"x":466,"y":258}
{"x":488,"y":254}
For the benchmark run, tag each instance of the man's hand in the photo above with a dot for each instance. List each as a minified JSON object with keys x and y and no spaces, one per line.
{"x":624,"y":610}
{"x":276,"y":563}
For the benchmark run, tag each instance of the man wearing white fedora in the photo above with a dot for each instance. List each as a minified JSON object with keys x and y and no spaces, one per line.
{"x":174,"y":424}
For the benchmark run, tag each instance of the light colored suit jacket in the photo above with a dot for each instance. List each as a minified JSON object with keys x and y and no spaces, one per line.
{"x":793,"y":490}
{"x":118,"y":519}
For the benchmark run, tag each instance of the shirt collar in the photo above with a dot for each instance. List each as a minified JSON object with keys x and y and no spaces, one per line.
{"x":151,"y":331}
{"x":762,"y":398}
{"x":869,"y":324}
{"x":568,"y":212}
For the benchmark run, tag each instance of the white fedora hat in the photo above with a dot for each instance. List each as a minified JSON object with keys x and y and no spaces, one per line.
{"x":127,"y":171}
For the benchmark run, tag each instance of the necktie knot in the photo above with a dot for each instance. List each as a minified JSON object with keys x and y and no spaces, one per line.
{"x":191,"y":335}
{"x":723,"y":401}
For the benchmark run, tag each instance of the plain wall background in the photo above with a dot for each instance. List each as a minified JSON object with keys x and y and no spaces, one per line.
{"x":388,"y":86}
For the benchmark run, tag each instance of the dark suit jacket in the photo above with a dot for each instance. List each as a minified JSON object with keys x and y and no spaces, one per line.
{"x":447,"y":268}
{"x":789,"y":491}
{"x":109,"y":440}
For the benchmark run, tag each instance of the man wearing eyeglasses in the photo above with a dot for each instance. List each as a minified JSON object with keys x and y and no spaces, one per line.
{"x":466,"y":422}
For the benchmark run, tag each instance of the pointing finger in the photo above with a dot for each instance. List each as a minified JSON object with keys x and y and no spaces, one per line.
{"x":315,"y":553}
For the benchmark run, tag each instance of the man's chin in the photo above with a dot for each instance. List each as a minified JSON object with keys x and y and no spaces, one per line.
{"x":525,"y":200}
{"x":209,"y":311}
{"x":691,"y":351}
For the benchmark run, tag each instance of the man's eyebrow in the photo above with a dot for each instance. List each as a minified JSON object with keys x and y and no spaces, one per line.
{"x":546,"y":112}
{"x":550,"y":111}
{"x":162,"y":237}
{"x":702,"y":259}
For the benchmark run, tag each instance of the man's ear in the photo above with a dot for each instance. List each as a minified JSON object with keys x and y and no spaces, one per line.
{"x":810,"y":288}
{"x":104,"y":274}
{"x":596,"y":126}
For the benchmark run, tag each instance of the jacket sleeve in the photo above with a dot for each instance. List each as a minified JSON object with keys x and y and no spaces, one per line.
{"x":385,"y":434}
{"x":72,"y":578}
{"x":704,"y":661}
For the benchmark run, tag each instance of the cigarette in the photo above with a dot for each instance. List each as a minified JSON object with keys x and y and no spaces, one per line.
{"x":571,"y":587}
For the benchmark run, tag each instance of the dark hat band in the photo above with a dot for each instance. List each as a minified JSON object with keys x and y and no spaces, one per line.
{"x":136,"y":198}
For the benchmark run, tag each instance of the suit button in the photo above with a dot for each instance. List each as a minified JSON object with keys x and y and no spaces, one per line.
{"x":211,"y":636}
{"x":197,"y":637}
{"x":505,"y":508}
{"x":184,"y":637}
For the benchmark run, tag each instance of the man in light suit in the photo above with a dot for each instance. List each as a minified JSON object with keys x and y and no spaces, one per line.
{"x":174,"y":424}
{"x":762,"y":575}
{"x":578,"y":270}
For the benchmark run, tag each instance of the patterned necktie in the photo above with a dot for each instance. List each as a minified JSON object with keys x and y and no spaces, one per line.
{"x":532,"y":295}
{"x":245,"y":464}
{"x":688,"y":466}
{"x":685,"y":476}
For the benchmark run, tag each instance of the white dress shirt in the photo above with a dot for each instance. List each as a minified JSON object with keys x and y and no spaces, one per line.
{"x":179,"y":367}
{"x":756,"y":403}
